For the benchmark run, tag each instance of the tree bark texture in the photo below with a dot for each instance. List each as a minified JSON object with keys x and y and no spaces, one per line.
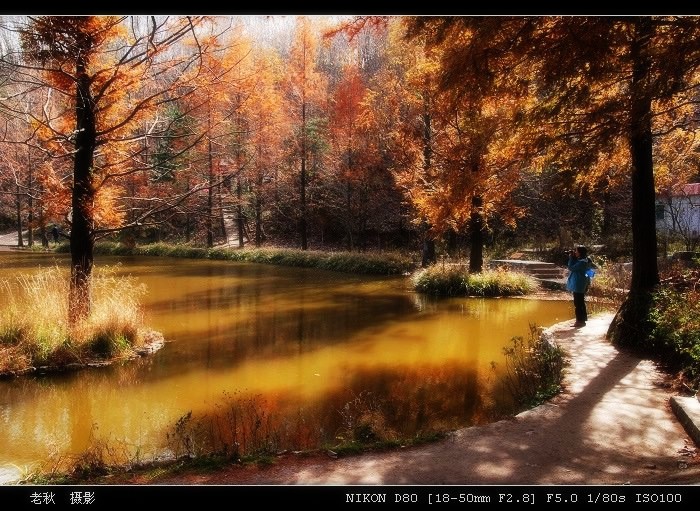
{"x":82,"y":230}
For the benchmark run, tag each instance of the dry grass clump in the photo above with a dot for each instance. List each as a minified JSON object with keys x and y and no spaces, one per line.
{"x":34,"y":327}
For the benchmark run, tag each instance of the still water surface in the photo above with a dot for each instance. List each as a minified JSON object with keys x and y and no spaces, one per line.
{"x":306,"y":355}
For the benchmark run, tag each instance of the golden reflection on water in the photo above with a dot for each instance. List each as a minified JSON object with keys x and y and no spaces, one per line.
{"x":302,"y":341}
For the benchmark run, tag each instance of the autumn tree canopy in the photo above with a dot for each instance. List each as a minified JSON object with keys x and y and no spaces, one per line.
{"x":103,"y":76}
{"x":376,"y":130}
{"x":607,"y":92}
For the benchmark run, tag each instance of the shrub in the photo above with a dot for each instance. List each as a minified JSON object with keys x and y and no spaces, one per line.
{"x":675,"y":319}
{"x":500,"y":282}
{"x":441,"y":280}
{"x":534,"y":368}
{"x":455,"y":280}
{"x":612,"y":280}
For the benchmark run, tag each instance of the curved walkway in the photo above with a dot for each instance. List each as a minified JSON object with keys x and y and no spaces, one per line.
{"x":611,"y":425}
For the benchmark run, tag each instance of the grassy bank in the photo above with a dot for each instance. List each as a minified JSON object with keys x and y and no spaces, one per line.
{"x":439,"y":279}
{"x":385,"y":263}
{"x":34,"y":329}
{"x":455,"y":280}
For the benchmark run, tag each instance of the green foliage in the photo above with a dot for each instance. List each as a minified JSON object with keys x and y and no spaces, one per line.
{"x":11,"y":333}
{"x":618,"y":245}
{"x":63,"y":247}
{"x":675,"y":316}
{"x":455,"y":280}
{"x":347,"y":262}
{"x":500,"y":283}
{"x":665,"y":324}
{"x":166,"y":157}
{"x":107,"y":344}
{"x":316,"y":128}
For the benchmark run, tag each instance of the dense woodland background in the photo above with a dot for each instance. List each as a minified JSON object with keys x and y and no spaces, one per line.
{"x":461,"y":134}
{"x":286,"y":131}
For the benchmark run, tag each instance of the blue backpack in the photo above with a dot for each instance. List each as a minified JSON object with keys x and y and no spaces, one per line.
{"x":590,"y":273}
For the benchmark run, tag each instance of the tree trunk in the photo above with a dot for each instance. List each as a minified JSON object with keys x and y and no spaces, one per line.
{"x":82,"y":231}
{"x":631,"y":325}
{"x":188,"y":217}
{"x":239,"y":213}
{"x":451,"y":242}
{"x":220,"y":213}
{"x":362,"y":235}
{"x":608,"y":217}
{"x":645,"y":273}
{"x":428,"y":255}
{"x":18,"y":206}
{"x":258,"y":212}
{"x":42,"y":221}
{"x":210,"y":191}
{"x":349,"y":238}
{"x":30,"y":200}
{"x":302,"y":181}
{"x":476,"y":236}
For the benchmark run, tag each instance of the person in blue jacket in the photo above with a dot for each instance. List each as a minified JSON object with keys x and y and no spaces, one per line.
{"x":578,"y":281}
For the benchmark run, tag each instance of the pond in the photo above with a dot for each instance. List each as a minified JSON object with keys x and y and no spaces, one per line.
{"x":266,"y":357}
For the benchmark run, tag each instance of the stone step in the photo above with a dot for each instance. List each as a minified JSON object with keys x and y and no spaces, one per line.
{"x":542,"y":269}
{"x":554,"y":284}
{"x":539,"y":269}
{"x":547,"y":273}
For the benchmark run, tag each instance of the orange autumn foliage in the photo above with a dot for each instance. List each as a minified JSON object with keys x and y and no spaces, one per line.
{"x":121,"y":69}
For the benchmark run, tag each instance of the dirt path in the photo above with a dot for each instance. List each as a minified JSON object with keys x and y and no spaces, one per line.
{"x":7,"y":241}
{"x":612,"y":425}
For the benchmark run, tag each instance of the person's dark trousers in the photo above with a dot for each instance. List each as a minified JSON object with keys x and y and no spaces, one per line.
{"x":580,"y":307}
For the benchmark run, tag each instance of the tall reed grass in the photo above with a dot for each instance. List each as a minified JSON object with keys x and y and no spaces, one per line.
{"x":34,"y":328}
